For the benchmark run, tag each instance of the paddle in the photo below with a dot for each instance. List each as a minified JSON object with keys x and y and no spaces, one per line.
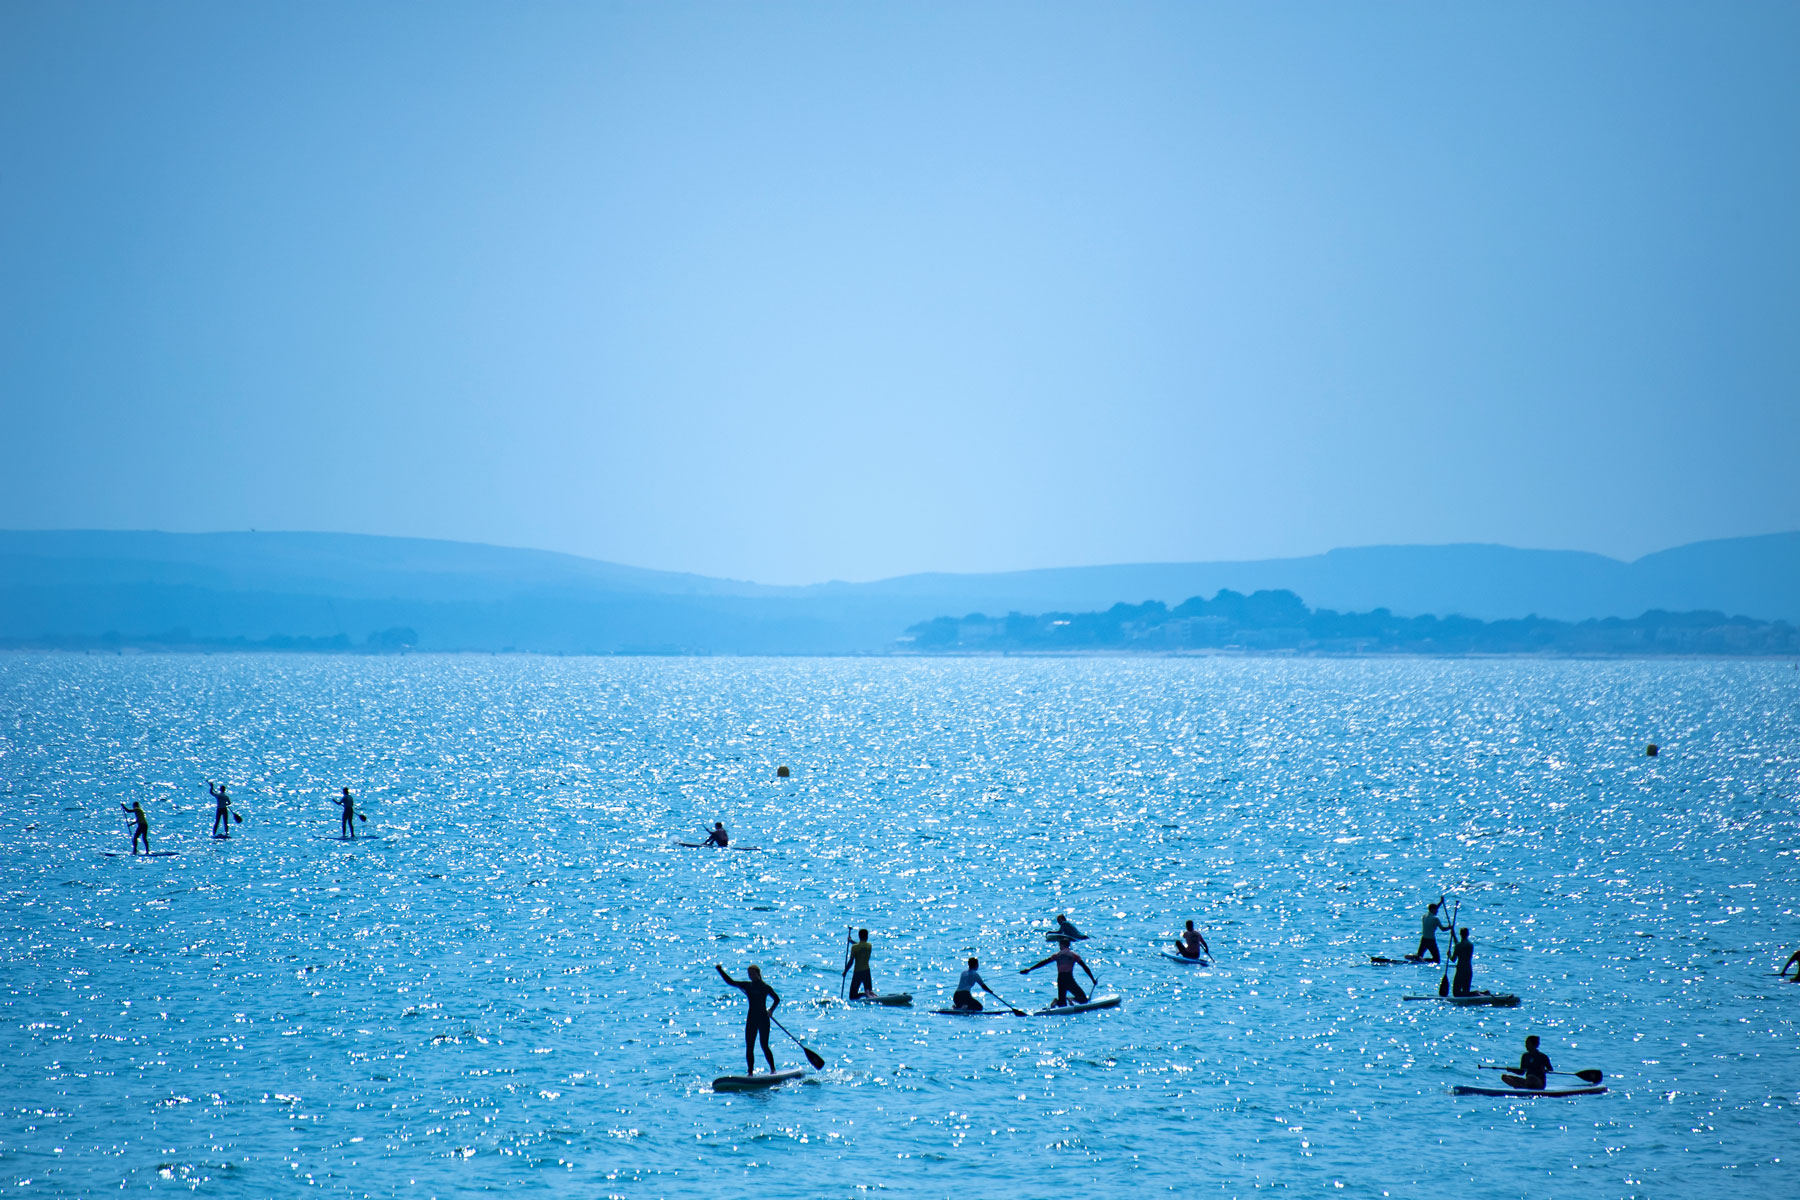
{"x":1590,"y":1075}
{"x":844,"y":975}
{"x":1014,"y":1009}
{"x":1444,"y":980}
{"x":812,"y":1056}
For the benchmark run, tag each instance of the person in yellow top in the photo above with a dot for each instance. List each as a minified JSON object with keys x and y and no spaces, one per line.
{"x":860,"y":950}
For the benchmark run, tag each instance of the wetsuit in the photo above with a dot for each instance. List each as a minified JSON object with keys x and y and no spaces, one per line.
{"x":860,"y":981}
{"x":718,"y":837}
{"x":142,"y":830}
{"x":1463,"y":981}
{"x":1428,"y":931}
{"x":221,"y":810}
{"x":763,"y":1000}
{"x":1065,"y":929}
{"x":964,"y":996}
{"x":347,"y":827}
{"x":1066,"y":961}
{"x":1533,"y":1066}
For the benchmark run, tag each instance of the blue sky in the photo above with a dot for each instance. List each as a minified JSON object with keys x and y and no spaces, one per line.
{"x":795,"y":292}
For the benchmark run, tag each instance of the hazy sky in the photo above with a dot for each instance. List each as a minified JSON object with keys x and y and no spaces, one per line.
{"x":792,"y":292}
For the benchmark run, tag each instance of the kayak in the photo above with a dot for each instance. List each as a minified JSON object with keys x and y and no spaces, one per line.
{"x":1469,"y":1090}
{"x":1185,"y":960}
{"x":1063,"y":1010}
{"x":755,"y":1083}
{"x":1409,"y":961}
{"x":893,"y":1000}
{"x":1473,"y":1000}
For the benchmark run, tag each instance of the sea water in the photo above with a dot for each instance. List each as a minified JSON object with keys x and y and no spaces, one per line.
{"x":511,"y":986}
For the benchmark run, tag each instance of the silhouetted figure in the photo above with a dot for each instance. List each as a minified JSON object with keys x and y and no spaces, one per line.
{"x":1064,"y":928}
{"x":860,"y":984}
{"x":221,"y":809}
{"x":1191,"y":943}
{"x":142,"y":830}
{"x":1428,"y":931}
{"x":763,"y":1002}
{"x":963,"y":998}
{"x":1066,"y":961}
{"x":718,"y":837}
{"x":1534,"y":1064}
{"x":1462,"y":953}
{"x":1793,"y":961}
{"x":347,"y":822}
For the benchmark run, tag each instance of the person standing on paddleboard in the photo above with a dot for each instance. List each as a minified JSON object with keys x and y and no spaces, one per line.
{"x":1534,"y":1064}
{"x":763,"y":1002}
{"x":221,"y":809}
{"x":1428,"y":931}
{"x":347,"y":823}
{"x":1191,"y":943}
{"x":963,"y":999}
{"x":143,"y":826}
{"x":1462,"y":953}
{"x":1066,"y":961}
{"x":718,"y":837}
{"x":860,"y":952}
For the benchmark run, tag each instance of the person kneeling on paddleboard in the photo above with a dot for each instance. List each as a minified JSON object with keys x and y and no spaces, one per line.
{"x":860,"y":984}
{"x":1462,"y":953}
{"x":1066,"y":961}
{"x":963,"y":999}
{"x":1534,"y":1064}
{"x":1428,"y":931}
{"x":1793,"y":959}
{"x":1191,"y":943}
{"x":1065,"y":928}
{"x":763,"y":1002}
{"x":718,"y":837}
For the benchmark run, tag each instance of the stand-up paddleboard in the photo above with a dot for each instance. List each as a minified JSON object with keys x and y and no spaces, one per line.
{"x":1064,"y":1010}
{"x":756,"y":1083}
{"x":710,"y":846}
{"x":1185,"y":960}
{"x":1053,"y":936}
{"x":1472,"y":1090}
{"x":151,"y":854}
{"x":361,"y":837}
{"x":1409,"y":961}
{"x":892,"y":1000}
{"x":1474,"y":1000}
{"x":972,"y":1012}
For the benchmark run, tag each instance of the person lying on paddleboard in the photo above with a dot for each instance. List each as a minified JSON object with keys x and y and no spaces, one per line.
{"x":860,"y":984}
{"x":763,"y":1002}
{"x":143,"y":826}
{"x":1793,"y":960}
{"x":221,"y":809}
{"x":1191,"y":943}
{"x":1066,"y":961}
{"x":1428,"y":931}
{"x":347,"y":824}
{"x":1462,"y":953}
{"x":963,"y":999}
{"x":1064,"y":928}
{"x":718,"y":837}
{"x":1534,"y":1064}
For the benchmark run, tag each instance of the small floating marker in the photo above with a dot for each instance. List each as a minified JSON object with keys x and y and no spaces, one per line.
{"x":1650,"y":750}
{"x":783,"y":772}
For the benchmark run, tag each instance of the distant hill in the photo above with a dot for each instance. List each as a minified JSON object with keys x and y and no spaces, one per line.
{"x":452,"y":595}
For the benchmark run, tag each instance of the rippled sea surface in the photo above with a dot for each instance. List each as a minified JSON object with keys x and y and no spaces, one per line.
{"x":512,"y":986}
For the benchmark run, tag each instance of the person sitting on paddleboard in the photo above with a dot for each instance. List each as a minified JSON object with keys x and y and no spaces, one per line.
{"x":1191,"y":943}
{"x":1793,"y":959}
{"x":1462,"y":953}
{"x":963,"y":999}
{"x":143,"y":826}
{"x":763,"y":1002}
{"x":1534,"y":1064}
{"x":1066,"y":961}
{"x":1065,"y":928}
{"x":347,"y":825}
{"x":860,"y":984}
{"x":1428,"y":931}
{"x":221,"y":809}
{"x":718,"y":837}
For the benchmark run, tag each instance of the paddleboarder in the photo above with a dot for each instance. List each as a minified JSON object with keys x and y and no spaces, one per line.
{"x":1793,"y":961}
{"x":1428,"y":931}
{"x":763,"y":1001}
{"x":1192,"y":943}
{"x":142,"y":831}
{"x":1066,"y":929}
{"x":1534,"y":1064}
{"x":718,"y":837}
{"x":963,"y":999}
{"x":1462,"y":953}
{"x":860,"y":951}
{"x":347,"y":823}
{"x":1066,"y":961}
{"x":221,"y":809}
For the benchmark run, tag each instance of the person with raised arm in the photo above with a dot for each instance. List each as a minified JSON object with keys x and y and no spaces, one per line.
{"x":763,"y":1001}
{"x":1066,"y":961}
